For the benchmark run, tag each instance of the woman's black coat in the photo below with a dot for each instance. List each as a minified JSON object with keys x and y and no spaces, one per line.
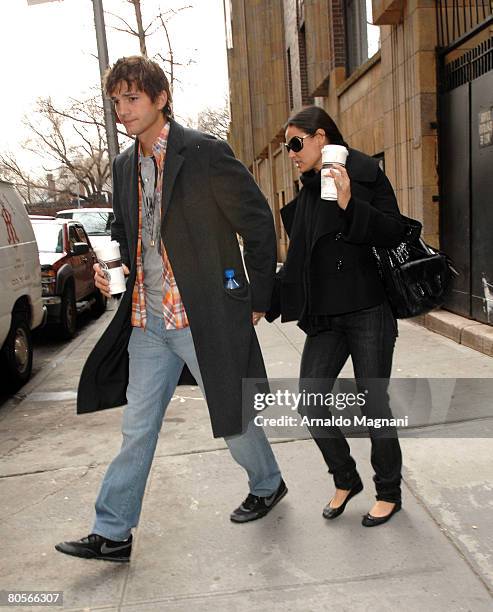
{"x":330,"y":268}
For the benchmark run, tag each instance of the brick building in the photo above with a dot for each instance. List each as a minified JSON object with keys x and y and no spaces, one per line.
{"x":388,"y":72}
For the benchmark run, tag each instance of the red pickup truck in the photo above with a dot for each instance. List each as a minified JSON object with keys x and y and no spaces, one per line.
{"x":67,"y":258}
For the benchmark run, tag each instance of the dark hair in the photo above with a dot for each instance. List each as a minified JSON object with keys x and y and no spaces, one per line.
{"x":145,"y":74}
{"x":313,"y":118}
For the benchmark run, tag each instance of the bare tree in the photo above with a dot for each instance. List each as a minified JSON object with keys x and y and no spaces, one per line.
{"x":169,"y":59}
{"x":32,"y":189}
{"x":215,"y":121}
{"x":140,"y":28}
{"x":89,"y":112}
{"x":71,"y":139}
{"x":71,"y":142}
{"x":143,"y":33}
{"x":58,"y":186}
{"x":140,"y":32}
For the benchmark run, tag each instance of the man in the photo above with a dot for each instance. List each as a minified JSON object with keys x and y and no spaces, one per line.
{"x":179,"y":198}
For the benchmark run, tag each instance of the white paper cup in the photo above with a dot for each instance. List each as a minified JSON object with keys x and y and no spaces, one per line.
{"x":111,"y":265}
{"x":331,"y":154}
{"x":334,"y":154}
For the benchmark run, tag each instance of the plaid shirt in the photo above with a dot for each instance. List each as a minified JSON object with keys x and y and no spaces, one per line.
{"x":174,"y":313}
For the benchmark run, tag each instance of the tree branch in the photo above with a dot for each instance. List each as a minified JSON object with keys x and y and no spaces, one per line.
{"x":129,"y":29}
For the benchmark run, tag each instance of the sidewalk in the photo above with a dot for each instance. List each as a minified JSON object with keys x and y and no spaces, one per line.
{"x":436,"y":554}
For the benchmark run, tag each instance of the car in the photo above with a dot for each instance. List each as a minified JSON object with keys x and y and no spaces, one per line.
{"x":67,"y":258}
{"x":21,"y":304}
{"x":96,"y":221}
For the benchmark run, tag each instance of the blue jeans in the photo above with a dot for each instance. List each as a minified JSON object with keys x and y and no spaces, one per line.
{"x":157,"y":356}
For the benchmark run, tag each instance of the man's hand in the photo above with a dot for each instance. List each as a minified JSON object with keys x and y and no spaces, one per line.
{"x":256,"y":316}
{"x":102,"y":282}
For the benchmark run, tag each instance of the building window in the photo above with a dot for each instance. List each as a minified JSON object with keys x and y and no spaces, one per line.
{"x":305,"y":96}
{"x":372,"y":31}
{"x":290,"y":80}
{"x":362,"y":37}
{"x":300,"y":12}
{"x":228,"y":17}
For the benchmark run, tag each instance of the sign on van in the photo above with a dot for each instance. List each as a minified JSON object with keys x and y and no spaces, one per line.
{"x":7,"y":215}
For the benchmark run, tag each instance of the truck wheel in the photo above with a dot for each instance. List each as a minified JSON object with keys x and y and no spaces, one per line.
{"x":17,"y":354}
{"x":99,"y":306}
{"x":68,"y":314}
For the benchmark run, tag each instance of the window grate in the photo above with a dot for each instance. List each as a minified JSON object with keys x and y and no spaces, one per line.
{"x":469,"y":66}
{"x":456,"y":18}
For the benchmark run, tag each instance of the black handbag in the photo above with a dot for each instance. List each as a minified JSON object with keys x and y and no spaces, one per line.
{"x":416,"y":276}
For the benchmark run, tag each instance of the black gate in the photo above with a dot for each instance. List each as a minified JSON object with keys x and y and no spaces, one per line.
{"x":466,"y":177}
{"x":482,"y":194}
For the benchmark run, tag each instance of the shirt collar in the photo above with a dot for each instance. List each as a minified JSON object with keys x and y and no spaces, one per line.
{"x":161,"y":141}
{"x":160,"y":144}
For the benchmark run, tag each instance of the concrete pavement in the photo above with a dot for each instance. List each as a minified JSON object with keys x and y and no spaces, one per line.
{"x":436,"y":554}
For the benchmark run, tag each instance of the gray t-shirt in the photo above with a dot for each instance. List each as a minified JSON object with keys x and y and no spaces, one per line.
{"x":151,"y":258}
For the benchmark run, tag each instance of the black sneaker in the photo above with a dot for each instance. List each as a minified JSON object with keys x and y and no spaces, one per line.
{"x":97,"y":547}
{"x":255,"y":507}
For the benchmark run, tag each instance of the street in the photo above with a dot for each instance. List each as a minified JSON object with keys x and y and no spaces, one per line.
{"x":436,"y":554}
{"x":47,"y":345}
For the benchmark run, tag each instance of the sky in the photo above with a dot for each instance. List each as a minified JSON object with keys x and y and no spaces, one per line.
{"x":49,"y":50}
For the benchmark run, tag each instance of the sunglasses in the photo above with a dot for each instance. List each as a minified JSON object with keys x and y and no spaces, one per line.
{"x":296,"y":143}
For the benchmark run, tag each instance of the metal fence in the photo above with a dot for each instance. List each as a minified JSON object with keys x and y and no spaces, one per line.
{"x":471,"y":65}
{"x":458,"y":18}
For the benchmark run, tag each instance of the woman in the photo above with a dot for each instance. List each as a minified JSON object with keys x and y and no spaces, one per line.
{"x":331,"y":285}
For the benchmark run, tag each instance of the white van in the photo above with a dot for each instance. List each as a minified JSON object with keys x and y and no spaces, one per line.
{"x":21,"y":306}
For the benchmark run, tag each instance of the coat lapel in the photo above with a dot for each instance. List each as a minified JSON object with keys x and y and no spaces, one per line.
{"x":172,"y":164}
{"x":132,"y":196}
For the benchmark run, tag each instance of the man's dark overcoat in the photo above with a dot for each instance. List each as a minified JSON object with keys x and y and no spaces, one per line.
{"x":208,"y":198}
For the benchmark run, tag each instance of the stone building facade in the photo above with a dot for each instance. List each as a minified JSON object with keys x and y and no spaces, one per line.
{"x":374,"y":66}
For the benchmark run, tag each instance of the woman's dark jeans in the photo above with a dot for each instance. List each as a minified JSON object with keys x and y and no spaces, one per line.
{"x":368,"y":336}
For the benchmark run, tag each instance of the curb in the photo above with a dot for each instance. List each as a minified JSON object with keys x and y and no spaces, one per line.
{"x":40,"y":377}
{"x":470,"y":333}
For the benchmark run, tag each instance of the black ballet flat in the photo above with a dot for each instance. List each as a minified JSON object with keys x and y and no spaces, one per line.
{"x":373,"y":521}
{"x":332,"y":513}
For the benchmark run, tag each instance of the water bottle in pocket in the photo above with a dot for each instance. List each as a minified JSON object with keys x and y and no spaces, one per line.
{"x":230,"y":281}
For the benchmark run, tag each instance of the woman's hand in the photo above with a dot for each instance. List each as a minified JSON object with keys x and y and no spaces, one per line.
{"x":343,"y":185}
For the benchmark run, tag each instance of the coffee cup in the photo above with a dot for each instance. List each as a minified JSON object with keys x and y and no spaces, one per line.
{"x":331,"y":154}
{"x":111,"y":265}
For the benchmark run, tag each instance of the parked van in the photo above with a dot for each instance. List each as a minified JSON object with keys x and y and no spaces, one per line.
{"x":21,"y":306}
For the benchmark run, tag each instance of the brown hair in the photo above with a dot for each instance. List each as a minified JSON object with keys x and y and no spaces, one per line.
{"x":145,"y":74}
